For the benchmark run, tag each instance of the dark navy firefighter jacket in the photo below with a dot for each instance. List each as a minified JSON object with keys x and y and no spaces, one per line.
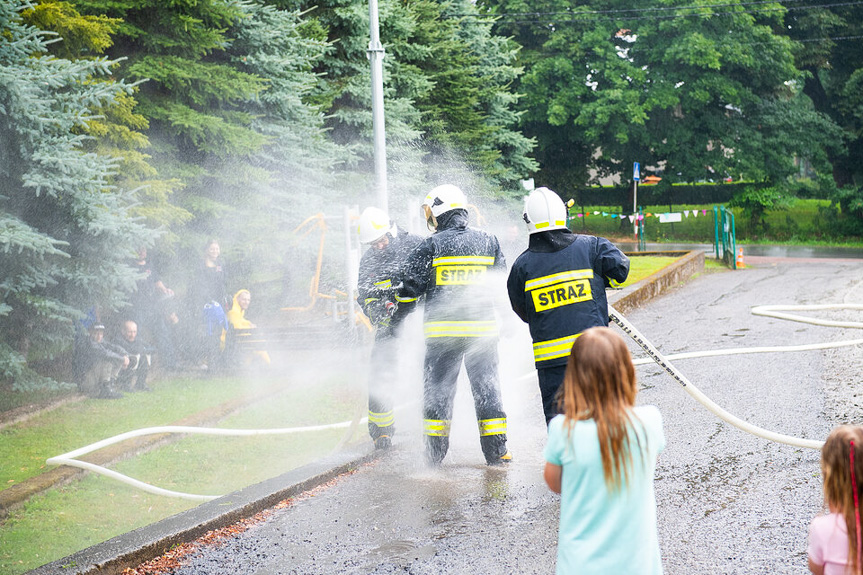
{"x":378,"y":279}
{"x":450,"y":267}
{"x":558,"y":287}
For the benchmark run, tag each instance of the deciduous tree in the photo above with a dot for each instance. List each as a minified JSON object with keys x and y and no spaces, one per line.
{"x":703,"y":91}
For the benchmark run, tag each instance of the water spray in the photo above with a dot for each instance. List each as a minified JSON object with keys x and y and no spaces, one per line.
{"x":654,"y":355}
{"x":772,"y":311}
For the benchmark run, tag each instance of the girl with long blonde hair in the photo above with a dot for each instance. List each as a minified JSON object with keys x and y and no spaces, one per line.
{"x":834,"y":538}
{"x":601,"y":457}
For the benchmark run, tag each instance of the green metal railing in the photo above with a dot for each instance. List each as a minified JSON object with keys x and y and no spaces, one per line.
{"x":724,"y":238}
{"x":640,"y":220}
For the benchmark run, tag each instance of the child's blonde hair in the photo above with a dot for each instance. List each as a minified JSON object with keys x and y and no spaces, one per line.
{"x":600,"y":385}
{"x":840,"y":487}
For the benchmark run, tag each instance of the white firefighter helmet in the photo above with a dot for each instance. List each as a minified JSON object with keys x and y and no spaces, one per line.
{"x":441,"y":200}
{"x":374,"y":224}
{"x":543,"y":211}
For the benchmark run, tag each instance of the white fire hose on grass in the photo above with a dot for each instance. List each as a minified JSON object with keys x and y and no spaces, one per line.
{"x":71,"y":457}
{"x":772,"y":311}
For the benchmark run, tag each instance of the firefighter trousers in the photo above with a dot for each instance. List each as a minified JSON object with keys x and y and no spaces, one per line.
{"x":443,"y":362}
{"x":550,"y":383}
{"x":382,"y":384}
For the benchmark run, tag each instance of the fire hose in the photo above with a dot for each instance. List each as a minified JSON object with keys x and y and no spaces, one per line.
{"x":615,"y":316}
{"x":698,"y":395}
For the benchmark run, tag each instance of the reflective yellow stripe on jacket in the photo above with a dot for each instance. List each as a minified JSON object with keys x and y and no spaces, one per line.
{"x":463,"y":261}
{"x":436,"y":427}
{"x":461,"y":329}
{"x":384,"y":419}
{"x":552,"y":279}
{"x":492,"y":426}
{"x":553,"y":348}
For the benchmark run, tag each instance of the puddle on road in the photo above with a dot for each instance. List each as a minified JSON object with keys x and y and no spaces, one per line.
{"x":400,"y":552}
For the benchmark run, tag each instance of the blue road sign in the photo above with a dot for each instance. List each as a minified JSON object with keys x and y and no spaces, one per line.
{"x":636,"y":171}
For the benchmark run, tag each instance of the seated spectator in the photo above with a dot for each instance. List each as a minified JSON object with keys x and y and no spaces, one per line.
{"x":98,"y":364}
{"x":134,"y":376}
{"x":237,"y":320}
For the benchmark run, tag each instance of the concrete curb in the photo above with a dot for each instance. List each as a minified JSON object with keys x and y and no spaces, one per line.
{"x":679,"y":272}
{"x":135,"y":547}
{"x":131,"y":549}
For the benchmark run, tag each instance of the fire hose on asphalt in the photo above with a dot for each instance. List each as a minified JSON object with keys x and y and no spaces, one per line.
{"x":771,"y":311}
{"x":776,"y":311}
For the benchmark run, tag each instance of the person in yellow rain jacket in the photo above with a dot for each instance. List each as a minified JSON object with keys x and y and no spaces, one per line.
{"x":237,"y":320}
{"x":454,"y":269}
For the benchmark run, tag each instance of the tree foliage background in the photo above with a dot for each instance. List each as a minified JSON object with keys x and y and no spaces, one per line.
{"x":128,"y":123}
{"x":65,"y":230}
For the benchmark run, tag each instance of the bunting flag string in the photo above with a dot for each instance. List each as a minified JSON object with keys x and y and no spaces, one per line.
{"x":665,"y":216}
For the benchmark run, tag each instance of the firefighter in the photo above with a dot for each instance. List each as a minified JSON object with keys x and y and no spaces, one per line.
{"x":389,"y":247}
{"x":558,"y":287}
{"x":451,"y":269}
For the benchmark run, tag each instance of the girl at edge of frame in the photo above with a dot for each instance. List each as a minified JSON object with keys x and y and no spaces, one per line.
{"x":601,"y":457}
{"x":834,"y":537}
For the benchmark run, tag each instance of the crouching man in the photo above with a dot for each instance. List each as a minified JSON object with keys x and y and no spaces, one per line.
{"x":133,"y":377}
{"x":98,"y":364}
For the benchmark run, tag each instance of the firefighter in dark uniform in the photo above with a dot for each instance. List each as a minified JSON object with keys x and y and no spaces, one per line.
{"x":558,"y":287}
{"x":389,"y":247}
{"x":452,"y":268}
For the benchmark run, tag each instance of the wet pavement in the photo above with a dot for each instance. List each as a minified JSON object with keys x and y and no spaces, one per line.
{"x":728,"y":502}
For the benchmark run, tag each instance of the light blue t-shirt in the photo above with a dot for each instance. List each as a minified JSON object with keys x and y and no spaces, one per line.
{"x":603,"y":532}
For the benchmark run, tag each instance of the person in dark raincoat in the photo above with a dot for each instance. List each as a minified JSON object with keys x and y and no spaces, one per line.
{"x":558,"y":287}
{"x":378,"y":297}
{"x":452,"y":268}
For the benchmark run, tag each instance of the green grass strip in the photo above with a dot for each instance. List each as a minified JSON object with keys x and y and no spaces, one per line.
{"x":94,"y":509}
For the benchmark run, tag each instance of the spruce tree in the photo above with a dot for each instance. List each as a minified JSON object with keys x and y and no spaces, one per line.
{"x":65,"y":232}
{"x":117,"y":128}
{"x":299,"y":158}
{"x":447,"y":91}
{"x":469,"y":115}
{"x":194,"y":99}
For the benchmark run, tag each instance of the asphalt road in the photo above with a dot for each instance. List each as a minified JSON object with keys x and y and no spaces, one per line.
{"x":728,"y":502}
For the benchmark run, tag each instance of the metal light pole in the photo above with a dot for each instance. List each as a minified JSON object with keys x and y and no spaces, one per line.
{"x":376,"y":57}
{"x":636,"y":176}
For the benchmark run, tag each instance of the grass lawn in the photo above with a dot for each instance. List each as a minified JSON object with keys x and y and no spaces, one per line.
{"x":642,"y":266}
{"x":803,"y":220}
{"x":61,"y":521}
{"x":26,"y":446}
